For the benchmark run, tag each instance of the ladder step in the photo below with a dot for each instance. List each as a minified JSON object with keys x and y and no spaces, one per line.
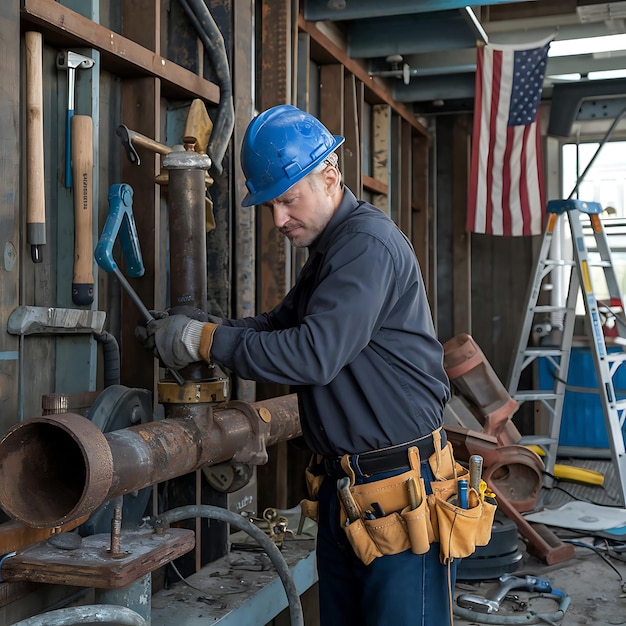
{"x":600,"y":263}
{"x":525,"y":396}
{"x":616,"y":357}
{"x":537,"y":440}
{"x":550,"y":308}
{"x":547,"y":351}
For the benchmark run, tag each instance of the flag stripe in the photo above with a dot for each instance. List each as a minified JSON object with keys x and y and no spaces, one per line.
{"x":506,"y":189}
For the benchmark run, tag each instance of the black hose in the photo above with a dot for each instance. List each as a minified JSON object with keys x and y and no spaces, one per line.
{"x":111,"y":358}
{"x":241,"y":523}
{"x":213,"y":43}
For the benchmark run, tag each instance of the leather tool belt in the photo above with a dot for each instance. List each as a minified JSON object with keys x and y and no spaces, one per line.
{"x":395,"y":514}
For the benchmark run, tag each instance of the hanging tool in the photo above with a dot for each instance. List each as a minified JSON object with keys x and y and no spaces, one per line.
{"x":121,"y":214}
{"x":491,"y":603}
{"x":71,"y":61}
{"x":36,"y":200}
{"x":131,"y":137}
{"x":82,"y":169}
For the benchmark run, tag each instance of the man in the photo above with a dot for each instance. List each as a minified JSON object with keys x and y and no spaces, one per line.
{"x":355,"y":339}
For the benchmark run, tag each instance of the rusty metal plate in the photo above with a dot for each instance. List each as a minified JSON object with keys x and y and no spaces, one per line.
{"x":91,"y":565}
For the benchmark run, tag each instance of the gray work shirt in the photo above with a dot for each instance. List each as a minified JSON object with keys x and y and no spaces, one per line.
{"x":354,"y":338}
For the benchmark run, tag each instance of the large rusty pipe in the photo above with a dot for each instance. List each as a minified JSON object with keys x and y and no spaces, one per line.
{"x":56,"y":468}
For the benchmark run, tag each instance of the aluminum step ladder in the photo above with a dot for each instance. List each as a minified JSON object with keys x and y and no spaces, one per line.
{"x":557,"y":355}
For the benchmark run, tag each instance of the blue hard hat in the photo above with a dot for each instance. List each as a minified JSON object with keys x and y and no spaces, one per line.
{"x":281,"y":146}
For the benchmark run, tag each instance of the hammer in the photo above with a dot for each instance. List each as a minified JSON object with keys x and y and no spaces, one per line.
{"x":131,"y":137}
{"x":71,"y":61}
{"x":491,"y":603}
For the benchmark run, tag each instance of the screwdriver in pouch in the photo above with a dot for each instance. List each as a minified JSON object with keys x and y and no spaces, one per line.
{"x":475,"y":471}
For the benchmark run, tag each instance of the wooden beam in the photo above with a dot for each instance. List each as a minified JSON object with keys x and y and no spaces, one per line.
{"x":461,"y":249}
{"x":420,"y":232}
{"x":275,"y":276}
{"x":140,"y":112}
{"x":120,"y":55}
{"x":243,"y":217}
{"x":332,"y":101}
{"x":406,"y":178}
{"x":371,"y":184}
{"x":352,"y":151}
{"x":359,"y":70}
{"x":381,"y":145}
{"x":11,"y":142}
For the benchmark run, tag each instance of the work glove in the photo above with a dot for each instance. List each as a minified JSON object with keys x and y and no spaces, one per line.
{"x":177,"y":340}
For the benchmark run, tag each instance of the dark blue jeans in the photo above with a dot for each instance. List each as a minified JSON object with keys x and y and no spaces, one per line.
{"x":403,"y":589}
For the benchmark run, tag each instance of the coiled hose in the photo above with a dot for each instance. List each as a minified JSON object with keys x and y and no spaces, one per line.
{"x":86,"y":614}
{"x":239,"y":522}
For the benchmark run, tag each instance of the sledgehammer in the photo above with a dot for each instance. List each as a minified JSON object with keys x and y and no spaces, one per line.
{"x":491,"y":603}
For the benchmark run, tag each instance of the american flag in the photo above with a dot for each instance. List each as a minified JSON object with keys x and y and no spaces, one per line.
{"x":506,"y":193}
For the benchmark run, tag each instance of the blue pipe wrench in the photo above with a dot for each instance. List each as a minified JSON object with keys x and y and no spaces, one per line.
{"x":121,"y":221}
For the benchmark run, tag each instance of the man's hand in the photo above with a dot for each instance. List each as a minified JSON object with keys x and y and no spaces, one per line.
{"x":164,"y":336}
{"x":177,"y":339}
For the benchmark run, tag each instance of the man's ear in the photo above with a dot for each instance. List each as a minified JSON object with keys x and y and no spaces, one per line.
{"x":332,"y":179}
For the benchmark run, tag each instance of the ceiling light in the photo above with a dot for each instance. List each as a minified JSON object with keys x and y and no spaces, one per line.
{"x":601,"y":74}
{"x":587,"y":45}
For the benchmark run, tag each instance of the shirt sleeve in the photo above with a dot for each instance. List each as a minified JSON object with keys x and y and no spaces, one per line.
{"x":355,"y":292}
{"x":282,"y":316}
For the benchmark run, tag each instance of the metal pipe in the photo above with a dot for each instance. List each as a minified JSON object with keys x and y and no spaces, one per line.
{"x":187,"y":233}
{"x":88,"y":614}
{"x":57,"y":468}
{"x":187,"y":228}
{"x":137,"y":596}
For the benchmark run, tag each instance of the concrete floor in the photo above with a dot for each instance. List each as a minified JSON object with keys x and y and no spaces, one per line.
{"x":593,"y":579}
{"x":594,"y":588}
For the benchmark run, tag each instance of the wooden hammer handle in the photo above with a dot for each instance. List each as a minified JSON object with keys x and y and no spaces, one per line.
{"x":82,"y":175}
{"x":36,"y":199}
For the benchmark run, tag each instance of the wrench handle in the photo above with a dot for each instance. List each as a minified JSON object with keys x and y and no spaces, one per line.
{"x":143,"y":309}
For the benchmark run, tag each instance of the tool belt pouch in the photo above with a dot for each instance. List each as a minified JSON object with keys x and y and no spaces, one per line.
{"x":454,"y":527}
{"x":309,"y":508}
{"x":483,"y":533}
{"x":402,"y":528}
{"x":314,"y":476}
{"x":457,"y":530}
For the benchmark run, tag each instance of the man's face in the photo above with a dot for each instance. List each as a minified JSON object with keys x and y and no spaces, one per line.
{"x":304,"y":210}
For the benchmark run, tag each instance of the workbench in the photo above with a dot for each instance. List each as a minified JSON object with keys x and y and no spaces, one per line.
{"x":242,"y":587}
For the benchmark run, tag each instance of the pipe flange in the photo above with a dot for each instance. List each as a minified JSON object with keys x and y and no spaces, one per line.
{"x":255,"y":452}
{"x":192,"y":392}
